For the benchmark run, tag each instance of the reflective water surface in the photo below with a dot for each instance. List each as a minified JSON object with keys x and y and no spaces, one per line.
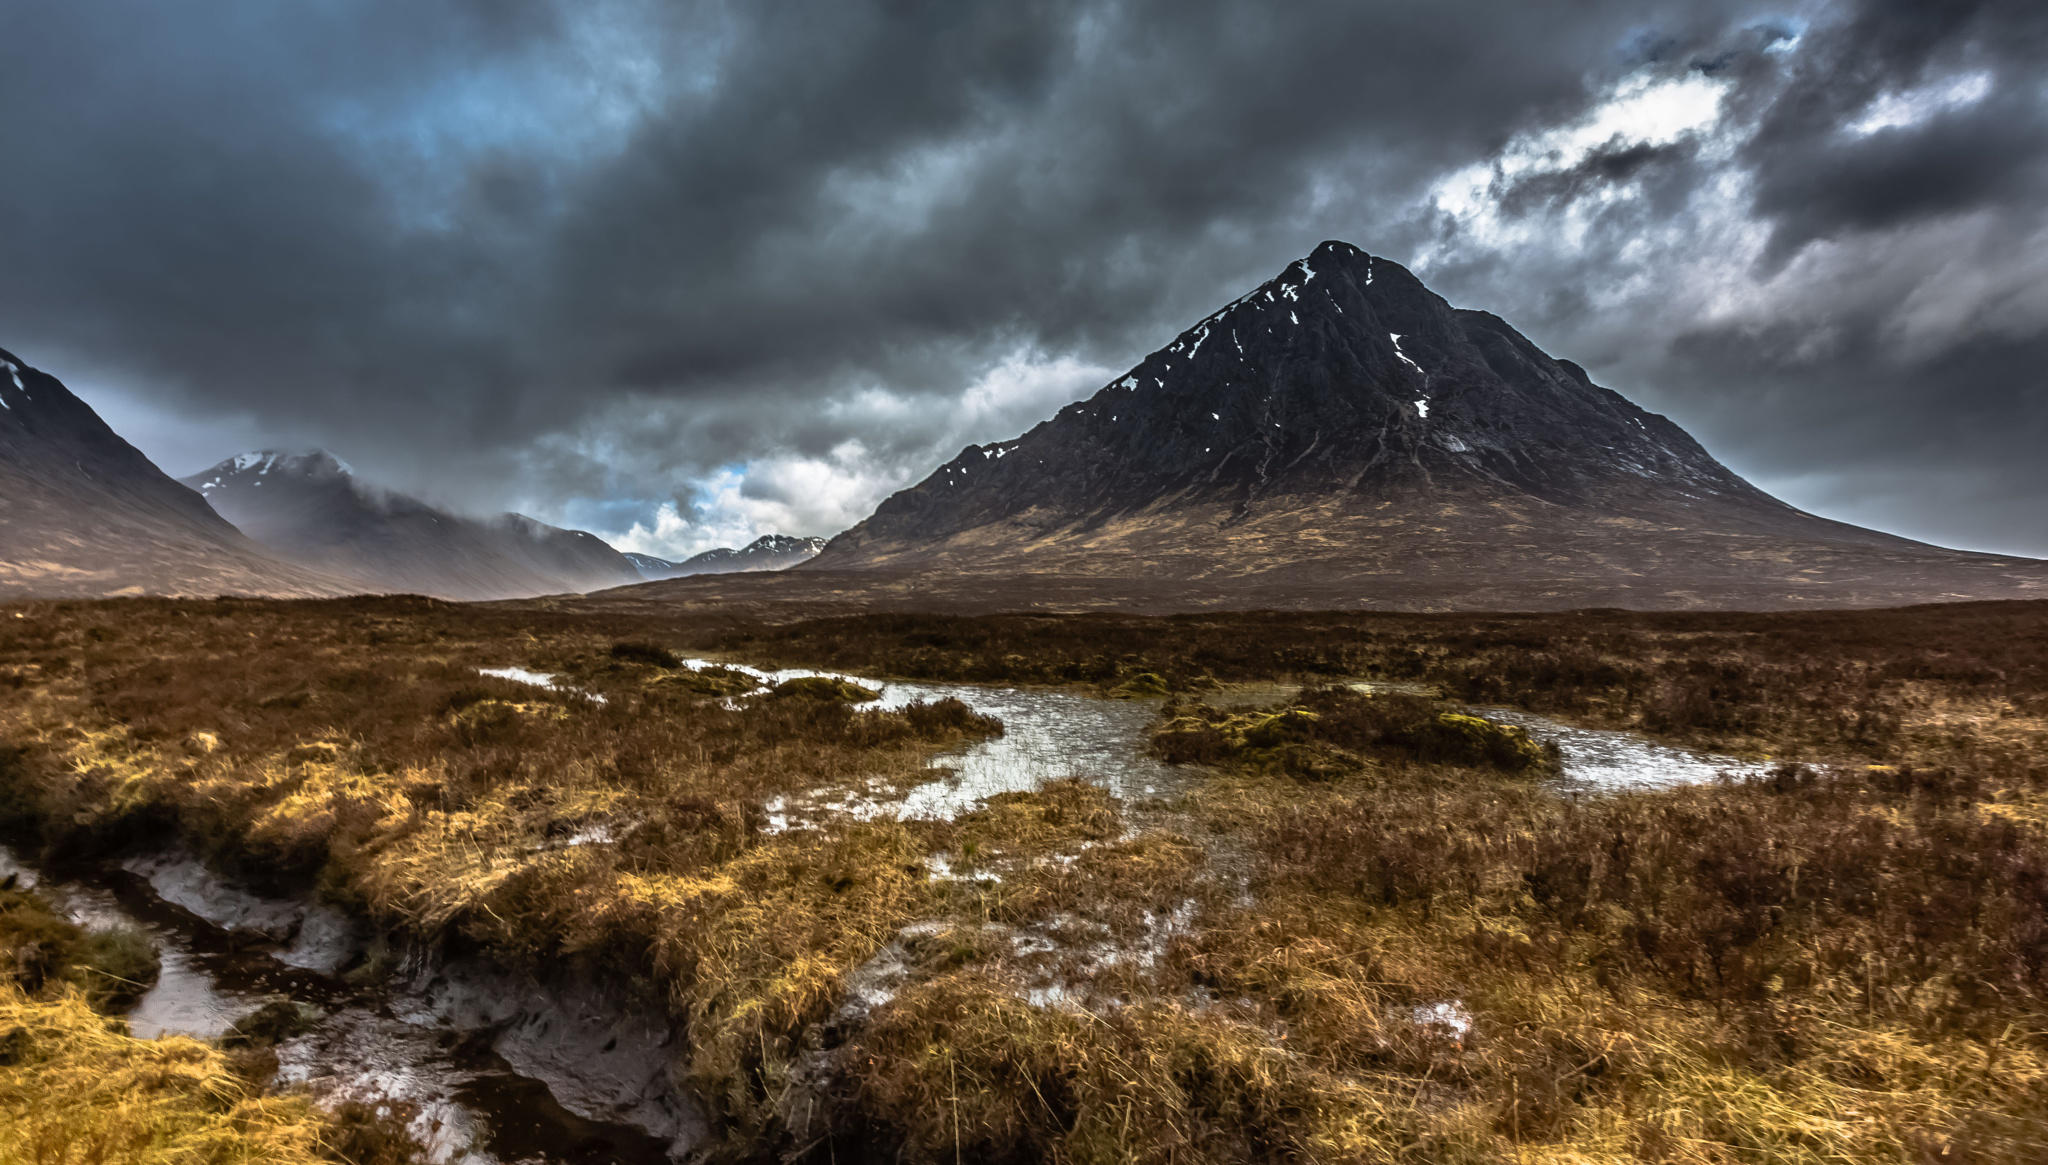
{"x":1603,"y":760}
{"x":1048,"y":734}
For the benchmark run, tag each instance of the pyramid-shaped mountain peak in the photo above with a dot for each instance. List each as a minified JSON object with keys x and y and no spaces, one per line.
{"x":1342,"y":424}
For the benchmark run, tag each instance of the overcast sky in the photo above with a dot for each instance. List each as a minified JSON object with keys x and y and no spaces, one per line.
{"x":681,"y":273}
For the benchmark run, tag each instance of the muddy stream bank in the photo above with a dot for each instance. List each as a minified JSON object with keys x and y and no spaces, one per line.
{"x":482,"y":1066}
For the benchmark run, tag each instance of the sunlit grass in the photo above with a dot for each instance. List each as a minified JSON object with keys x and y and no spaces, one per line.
{"x":1366,"y":928}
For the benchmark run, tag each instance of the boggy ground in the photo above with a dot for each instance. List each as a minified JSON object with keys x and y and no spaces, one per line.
{"x":1366,"y":928}
{"x":75,"y":1087}
{"x":1907,"y":683}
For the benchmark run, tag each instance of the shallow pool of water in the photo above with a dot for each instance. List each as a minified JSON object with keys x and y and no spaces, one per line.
{"x":1048,"y":734}
{"x":1051,"y":733}
{"x":537,"y":679}
{"x":1601,"y":760}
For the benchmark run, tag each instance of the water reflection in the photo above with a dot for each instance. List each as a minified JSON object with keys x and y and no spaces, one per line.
{"x":1599,"y":760}
{"x":1048,"y":735}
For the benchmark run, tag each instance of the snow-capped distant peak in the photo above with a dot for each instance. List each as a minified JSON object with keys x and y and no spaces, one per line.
{"x":264,"y":462}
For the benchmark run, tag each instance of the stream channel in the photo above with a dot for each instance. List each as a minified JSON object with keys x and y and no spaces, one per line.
{"x":492,"y":1068}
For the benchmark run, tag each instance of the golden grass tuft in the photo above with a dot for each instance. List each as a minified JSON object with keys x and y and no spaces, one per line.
{"x":75,"y":1088}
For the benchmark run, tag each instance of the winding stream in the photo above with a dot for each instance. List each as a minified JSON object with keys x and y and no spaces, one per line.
{"x":490,"y":1068}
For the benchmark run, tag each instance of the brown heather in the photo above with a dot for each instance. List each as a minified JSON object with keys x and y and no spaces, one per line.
{"x":1831,"y":965}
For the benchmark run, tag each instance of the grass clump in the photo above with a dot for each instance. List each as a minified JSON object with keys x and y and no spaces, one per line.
{"x":270,"y":1024}
{"x":824,"y":688}
{"x":1332,"y":732}
{"x":73,"y":1087}
{"x":1143,"y":686}
{"x":714,"y":682}
{"x":1457,"y":738}
{"x":42,"y":952}
{"x":640,"y":651}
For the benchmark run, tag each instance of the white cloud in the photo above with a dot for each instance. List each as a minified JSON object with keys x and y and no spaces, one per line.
{"x":797,"y":493}
{"x":1022,"y":390}
{"x":1642,"y":110}
{"x":1905,"y":107}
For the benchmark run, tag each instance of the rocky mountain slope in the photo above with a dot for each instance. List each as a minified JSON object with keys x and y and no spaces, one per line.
{"x":1341,"y":432}
{"x":84,"y":513}
{"x":312,"y":509}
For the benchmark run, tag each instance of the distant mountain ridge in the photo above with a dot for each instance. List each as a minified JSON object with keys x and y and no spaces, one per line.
{"x":649,"y":566}
{"x":84,"y":513}
{"x":768,"y":552}
{"x":311,"y":508}
{"x":1341,"y":430}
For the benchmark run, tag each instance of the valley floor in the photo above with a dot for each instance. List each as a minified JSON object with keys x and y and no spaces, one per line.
{"x":1342,"y":916}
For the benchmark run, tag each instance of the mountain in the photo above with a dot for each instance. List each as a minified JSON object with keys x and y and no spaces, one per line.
{"x":650,"y":567}
{"x":84,"y":513}
{"x":1344,"y":433}
{"x":768,"y":552}
{"x":311,"y":508}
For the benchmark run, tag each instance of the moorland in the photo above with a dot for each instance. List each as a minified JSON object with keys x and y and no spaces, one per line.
{"x":1365,"y":923}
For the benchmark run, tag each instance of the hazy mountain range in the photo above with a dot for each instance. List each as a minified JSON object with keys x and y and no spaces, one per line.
{"x":83,"y":513}
{"x":1339,"y":436}
{"x":768,"y":552}
{"x":310,"y":508}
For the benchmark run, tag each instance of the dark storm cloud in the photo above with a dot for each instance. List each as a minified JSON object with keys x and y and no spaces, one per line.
{"x":1616,"y":163}
{"x":1814,"y":181}
{"x":590,"y":254}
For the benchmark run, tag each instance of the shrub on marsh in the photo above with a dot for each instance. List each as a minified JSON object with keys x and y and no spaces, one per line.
{"x":651,"y":654}
{"x":1455,"y":738}
{"x":825,"y":688}
{"x":1320,"y":736}
{"x":117,"y":964}
{"x":715,"y":682}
